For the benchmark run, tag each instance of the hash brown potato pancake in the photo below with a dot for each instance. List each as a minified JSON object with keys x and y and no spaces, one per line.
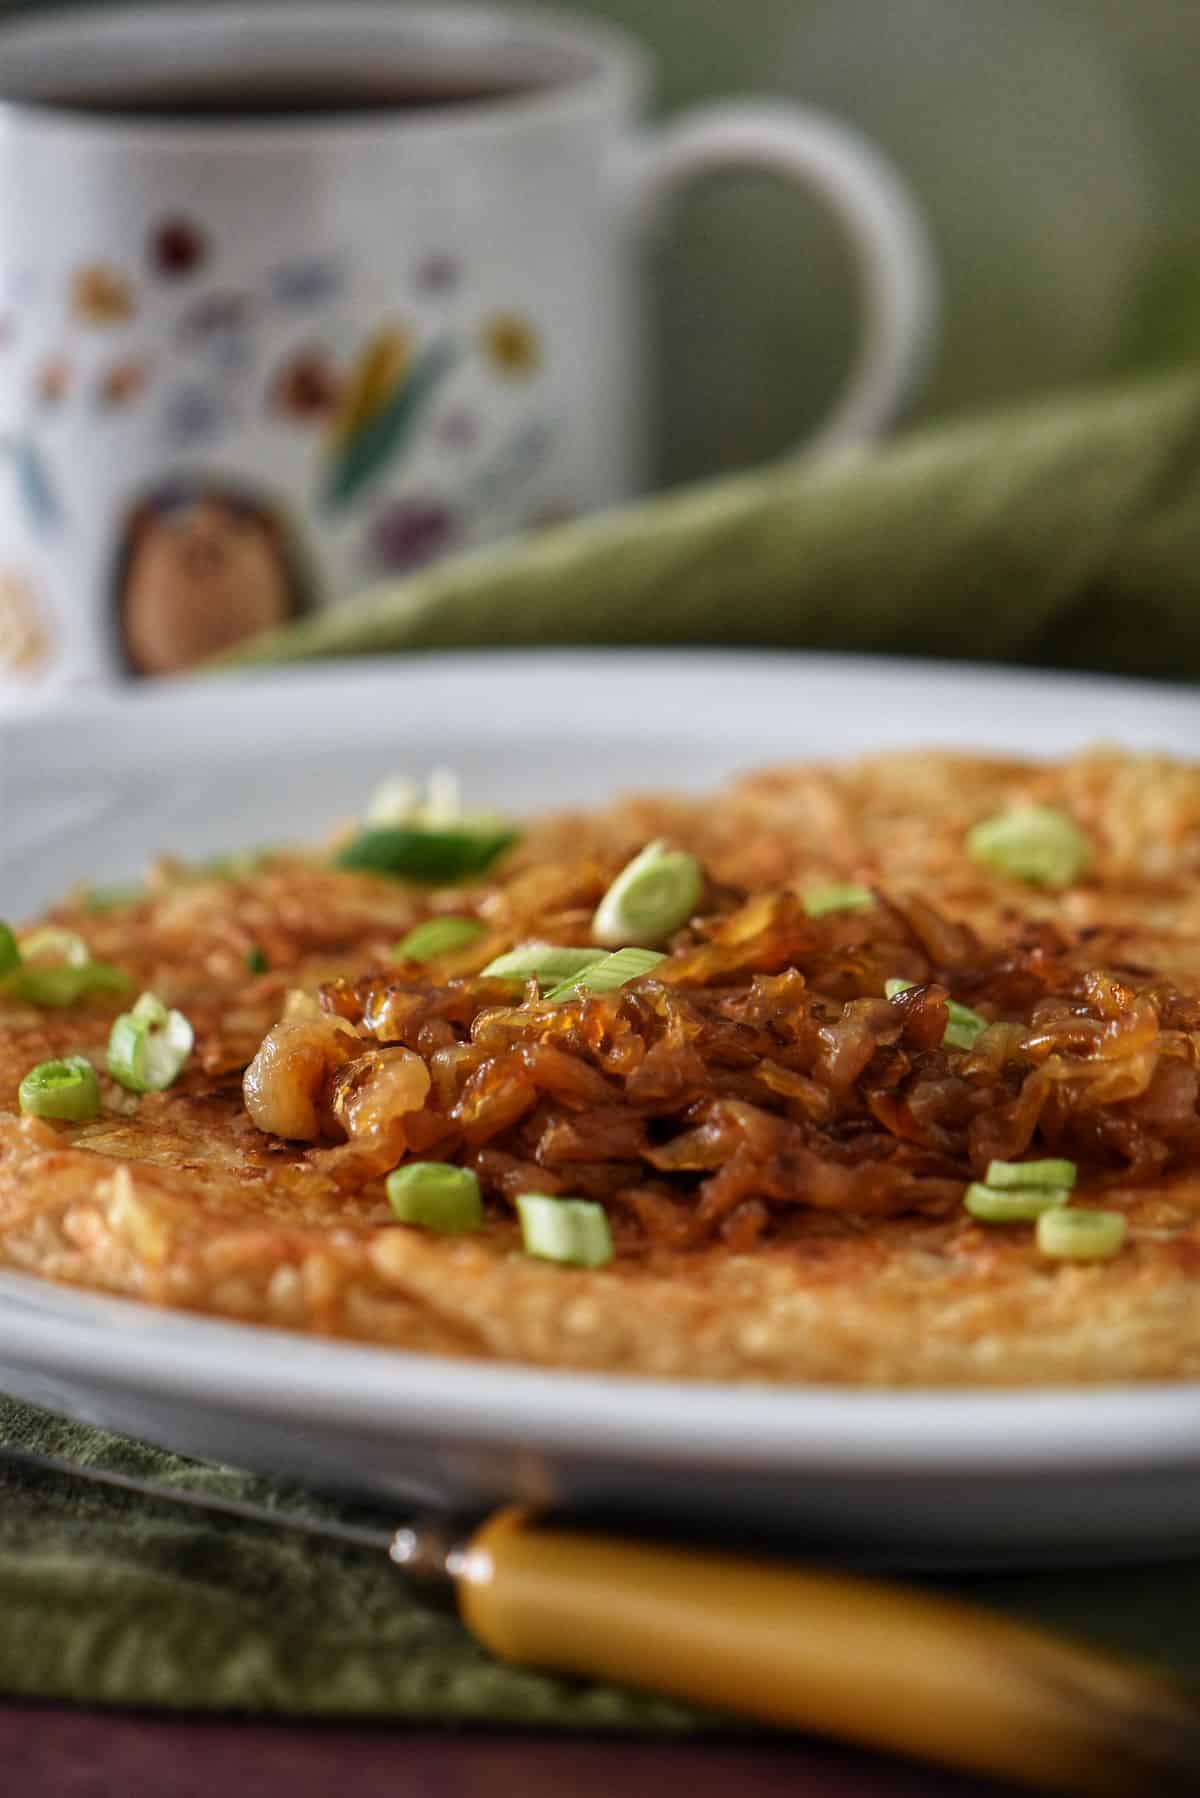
{"x":802,"y":1223}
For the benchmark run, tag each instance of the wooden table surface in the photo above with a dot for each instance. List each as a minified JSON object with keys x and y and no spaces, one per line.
{"x":51,"y":1751}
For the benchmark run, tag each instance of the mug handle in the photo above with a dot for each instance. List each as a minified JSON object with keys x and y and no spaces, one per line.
{"x":864,"y":191}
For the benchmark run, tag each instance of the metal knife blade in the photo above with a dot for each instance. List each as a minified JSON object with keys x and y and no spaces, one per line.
{"x":357,"y":1535}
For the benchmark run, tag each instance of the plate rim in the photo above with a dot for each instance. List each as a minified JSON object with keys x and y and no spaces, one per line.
{"x":82,"y":705}
{"x":758,"y":1426}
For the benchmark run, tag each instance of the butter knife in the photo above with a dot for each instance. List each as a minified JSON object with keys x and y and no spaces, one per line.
{"x":883,"y":1664}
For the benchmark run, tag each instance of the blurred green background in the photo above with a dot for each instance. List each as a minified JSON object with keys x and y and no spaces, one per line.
{"x":1055,"y":145}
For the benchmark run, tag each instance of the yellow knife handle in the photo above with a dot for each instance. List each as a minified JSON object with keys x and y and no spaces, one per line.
{"x":890,"y":1666}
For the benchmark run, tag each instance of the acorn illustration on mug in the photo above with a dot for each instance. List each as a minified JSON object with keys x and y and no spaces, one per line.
{"x":201,"y":564}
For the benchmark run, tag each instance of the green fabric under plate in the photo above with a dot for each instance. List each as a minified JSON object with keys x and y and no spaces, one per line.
{"x":1061,"y":534}
{"x":110,"y":1599}
{"x":106,"y":1598}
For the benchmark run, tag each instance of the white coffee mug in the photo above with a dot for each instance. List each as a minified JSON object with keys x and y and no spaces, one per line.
{"x":292,"y":298}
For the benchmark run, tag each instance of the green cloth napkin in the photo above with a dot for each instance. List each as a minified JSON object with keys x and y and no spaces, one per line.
{"x":1065,"y":534}
{"x":106,"y":1598}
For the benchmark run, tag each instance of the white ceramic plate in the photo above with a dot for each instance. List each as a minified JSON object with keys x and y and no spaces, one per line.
{"x":93,"y":789}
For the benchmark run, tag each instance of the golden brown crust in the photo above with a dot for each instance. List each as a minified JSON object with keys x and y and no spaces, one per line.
{"x":177,"y":1198}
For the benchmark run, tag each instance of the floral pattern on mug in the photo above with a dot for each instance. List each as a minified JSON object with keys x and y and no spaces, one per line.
{"x":511,"y":344}
{"x":410,"y":532}
{"x":510,"y":464}
{"x":52,"y":381}
{"x":366,"y":405}
{"x":313,"y":281}
{"x":178,"y":247}
{"x":458,"y":429}
{"x":385,"y":399}
{"x":34,"y":484}
{"x":220,"y":326}
{"x":101,"y":295}
{"x":215,"y":315}
{"x":306,"y":387}
{"x":195,"y":415}
{"x":122,"y":383}
{"x":376,"y":372}
{"x":24,"y":637}
{"x":438,"y":273}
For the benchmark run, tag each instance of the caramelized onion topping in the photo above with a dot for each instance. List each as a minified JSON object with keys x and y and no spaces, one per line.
{"x":759,"y":1068}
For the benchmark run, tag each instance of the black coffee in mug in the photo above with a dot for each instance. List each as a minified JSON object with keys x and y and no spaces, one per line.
{"x":281,"y":94}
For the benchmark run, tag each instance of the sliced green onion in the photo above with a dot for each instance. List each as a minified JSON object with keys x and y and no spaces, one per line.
{"x":111,"y":897}
{"x":436,"y":1195}
{"x":838,"y":897}
{"x":570,"y":1230}
{"x":443,"y":797}
{"x":963,"y":1025}
{"x":148,"y":1045}
{"x":437,"y":936}
{"x":64,"y":986}
{"x":67,"y":1090}
{"x":1017,"y":1205}
{"x":1080,"y":1235}
{"x":431,"y":839}
{"x":550,"y":962}
{"x":75,"y":976}
{"x":395,"y":800}
{"x":656,"y":893}
{"x":233,"y":866}
{"x":1034,"y":843}
{"x":607,"y":975}
{"x":411,"y":852}
{"x":64,"y":948}
{"x":10,"y":955}
{"x":1009,"y":1174}
{"x":256,"y":961}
